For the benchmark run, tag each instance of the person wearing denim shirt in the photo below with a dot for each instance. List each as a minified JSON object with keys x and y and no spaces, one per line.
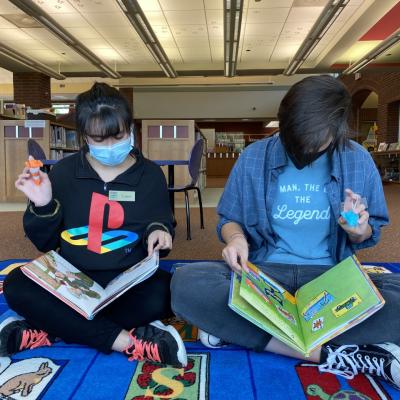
{"x":311,"y":151}
{"x":249,"y":195}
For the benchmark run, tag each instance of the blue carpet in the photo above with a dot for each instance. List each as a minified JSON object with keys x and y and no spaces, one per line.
{"x":77,"y":372}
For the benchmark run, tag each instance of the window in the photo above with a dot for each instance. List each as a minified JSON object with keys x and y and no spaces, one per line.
{"x":168,"y":131}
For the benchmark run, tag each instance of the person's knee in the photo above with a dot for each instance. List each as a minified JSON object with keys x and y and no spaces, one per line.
{"x":192,"y":285}
{"x":186,"y":289}
{"x":179,"y":288}
{"x":12,"y":290}
{"x":160,"y":302}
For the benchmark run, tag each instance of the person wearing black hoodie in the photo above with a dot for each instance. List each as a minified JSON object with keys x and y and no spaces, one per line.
{"x":105,"y":208}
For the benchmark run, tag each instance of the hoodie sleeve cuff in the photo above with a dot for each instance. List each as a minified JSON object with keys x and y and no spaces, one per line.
{"x":154,"y":226}
{"x":49,"y":210}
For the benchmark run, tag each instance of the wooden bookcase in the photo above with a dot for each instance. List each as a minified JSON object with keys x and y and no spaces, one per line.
{"x":14,"y":135}
{"x":169,"y":140}
{"x":219,"y":165}
{"x":64,"y":140}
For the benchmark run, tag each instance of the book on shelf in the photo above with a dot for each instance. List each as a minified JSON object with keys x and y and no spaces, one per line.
{"x":393,"y":146}
{"x":14,"y":110}
{"x":63,"y":138}
{"x":57,"y":136}
{"x":55,"y":154}
{"x":383,"y":146}
{"x":323,"y":308}
{"x":71,"y":140}
{"x":79,"y":291}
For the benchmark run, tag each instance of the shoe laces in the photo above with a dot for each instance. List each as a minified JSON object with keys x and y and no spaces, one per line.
{"x":347,"y":362}
{"x":140,"y":349}
{"x":32,"y":338}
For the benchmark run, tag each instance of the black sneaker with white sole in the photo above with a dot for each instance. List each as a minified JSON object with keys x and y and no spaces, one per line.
{"x":17,"y":335}
{"x":211,"y":341}
{"x":380,"y":360}
{"x":157,"y":342}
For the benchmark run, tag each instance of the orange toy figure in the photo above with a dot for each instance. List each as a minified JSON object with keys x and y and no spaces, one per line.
{"x":34,"y":168}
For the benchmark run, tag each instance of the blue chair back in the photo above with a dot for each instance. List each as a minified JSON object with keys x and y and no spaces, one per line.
{"x":35,"y":150}
{"x":195,"y":160}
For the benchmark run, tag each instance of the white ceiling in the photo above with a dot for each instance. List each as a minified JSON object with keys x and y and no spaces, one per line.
{"x":190,"y":31}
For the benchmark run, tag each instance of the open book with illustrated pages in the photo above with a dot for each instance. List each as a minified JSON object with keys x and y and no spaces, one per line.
{"x":323,"y":308}
{"x":79,"y":291}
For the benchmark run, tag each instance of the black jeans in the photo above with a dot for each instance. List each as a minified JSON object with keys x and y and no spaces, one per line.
{"x":200,"y":294}
{"x":144,"y":303}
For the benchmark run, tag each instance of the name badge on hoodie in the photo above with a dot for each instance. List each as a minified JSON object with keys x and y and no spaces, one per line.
{"x":119,"y":195}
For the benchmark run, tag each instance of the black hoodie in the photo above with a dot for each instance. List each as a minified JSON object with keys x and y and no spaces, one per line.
{"x":100,"y":237}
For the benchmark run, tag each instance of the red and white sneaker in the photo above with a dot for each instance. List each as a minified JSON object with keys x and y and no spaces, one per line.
{"x":157,"y":342}
{"x":17,"y":335}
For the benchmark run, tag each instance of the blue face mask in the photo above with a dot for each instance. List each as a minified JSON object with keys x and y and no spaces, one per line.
{"x":111,"y":155}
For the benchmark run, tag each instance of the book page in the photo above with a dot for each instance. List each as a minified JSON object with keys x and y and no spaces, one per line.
{"x":61,"y":278}
{"x":273,"y":301}
{"x":247,"y":311}
{"x":328,"y":304}
{"x":375,"y":269}
{"x":132,"y":275}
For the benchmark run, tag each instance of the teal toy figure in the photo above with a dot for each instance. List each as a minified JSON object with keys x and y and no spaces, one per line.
{"x":350,"y":204}
{"x":351,"y":218}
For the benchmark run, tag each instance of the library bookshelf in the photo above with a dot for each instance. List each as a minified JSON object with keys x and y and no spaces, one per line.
{"x":57,"y":140}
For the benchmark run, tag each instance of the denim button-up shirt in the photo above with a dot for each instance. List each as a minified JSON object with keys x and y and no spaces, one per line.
{"x":252,"y":188}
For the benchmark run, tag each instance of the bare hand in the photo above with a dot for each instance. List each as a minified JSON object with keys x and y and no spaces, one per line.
{"x":363,"y":230}
{"x":236,"y":254}
{"x":158,"y":240}
{"x":41,"y":194}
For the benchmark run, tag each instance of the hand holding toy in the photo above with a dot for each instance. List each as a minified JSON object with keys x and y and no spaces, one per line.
{"x":34,"y":169}
{"x":350,"y":208}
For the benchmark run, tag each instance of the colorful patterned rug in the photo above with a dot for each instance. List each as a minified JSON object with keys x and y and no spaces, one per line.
{"x":77,"y":372}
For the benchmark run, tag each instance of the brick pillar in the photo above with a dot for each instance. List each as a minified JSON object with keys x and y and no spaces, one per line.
{"x":382,"y":123}
{"x":32,"y":89}
{"x":388,"y":122}
{"x":393,"y":122}
{"x":128,"y":94}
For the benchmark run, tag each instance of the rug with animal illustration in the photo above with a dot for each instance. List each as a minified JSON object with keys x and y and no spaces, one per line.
{"x":77,"y":372}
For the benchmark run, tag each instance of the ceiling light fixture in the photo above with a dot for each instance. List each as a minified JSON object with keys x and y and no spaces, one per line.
{"x":233,"y":11}
{"x":272,"y":124}
{"x":29,"y":62}
{"x":34,"y":11}
{"x":373,"y":54}
{"x":138,"y":20}
{"x":327,"y":17}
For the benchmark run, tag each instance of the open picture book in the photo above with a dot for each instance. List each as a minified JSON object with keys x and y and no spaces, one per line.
{"x":332,"y":303}
{"x":79,"y":291}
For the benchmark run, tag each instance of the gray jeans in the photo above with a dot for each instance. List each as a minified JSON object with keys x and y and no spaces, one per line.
{"x":200,"y":296}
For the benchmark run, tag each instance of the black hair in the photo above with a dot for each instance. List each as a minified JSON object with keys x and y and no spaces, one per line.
{"x":102,"y":112}
{"x":313,"y":112}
